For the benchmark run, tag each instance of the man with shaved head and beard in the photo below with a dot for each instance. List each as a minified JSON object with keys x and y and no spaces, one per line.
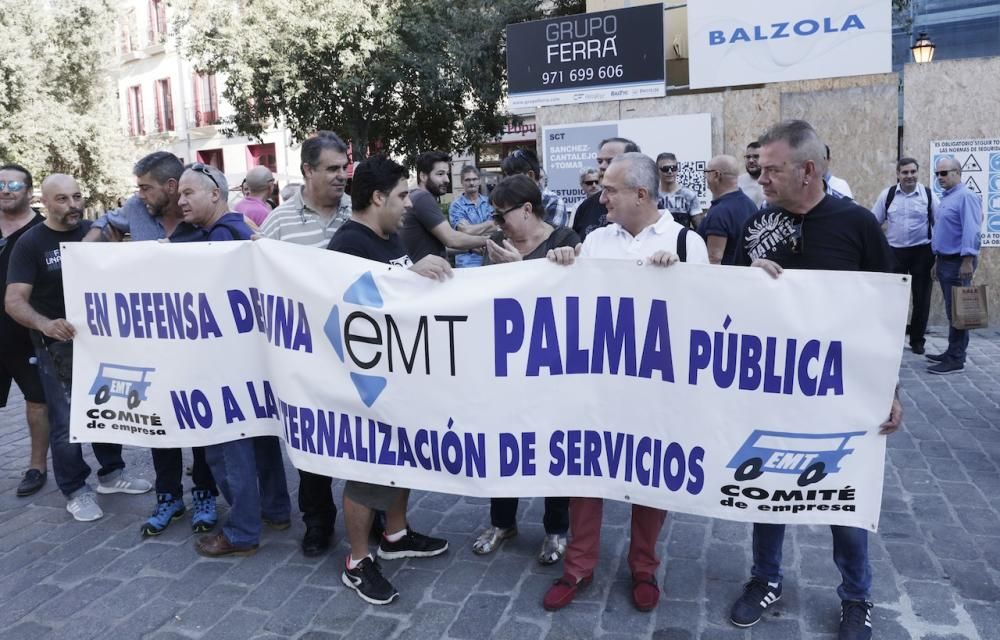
{"x":34,"y":298}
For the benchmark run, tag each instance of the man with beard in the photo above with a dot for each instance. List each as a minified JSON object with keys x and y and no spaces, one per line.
{"x":34,"y":298}
{"x":748,"y":181}
{"x":16,"y":352}
{"x":153,"y":214}
{"x":426,"y":231}
{"x":591,"y":213}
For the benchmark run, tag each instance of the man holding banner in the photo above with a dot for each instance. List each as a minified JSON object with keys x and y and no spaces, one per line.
{"x":380,"y":199}
{"x":636,"y":230}
{"x":804,"y":228}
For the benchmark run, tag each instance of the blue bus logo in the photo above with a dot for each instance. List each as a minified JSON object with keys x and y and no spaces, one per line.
{"x":121,"y":381}
{"x":810,"y":456}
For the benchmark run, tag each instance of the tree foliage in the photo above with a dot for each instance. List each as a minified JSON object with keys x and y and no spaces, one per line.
{"x":57,"y":110}
{"x":401,"y":75}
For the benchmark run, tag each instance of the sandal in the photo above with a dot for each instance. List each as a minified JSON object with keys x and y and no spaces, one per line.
{"x":490,"y":539}
{"x":553,"y":549}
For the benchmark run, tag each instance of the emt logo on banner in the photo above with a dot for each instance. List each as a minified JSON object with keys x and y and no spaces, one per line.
{"x":737,"y":42}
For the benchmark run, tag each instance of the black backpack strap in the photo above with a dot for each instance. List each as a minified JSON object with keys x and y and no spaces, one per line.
{"x":682,"y":245}
{"x":930,"y":213}
{"x":888,"y":199}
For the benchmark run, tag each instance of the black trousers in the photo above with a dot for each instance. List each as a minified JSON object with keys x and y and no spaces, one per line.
{"x":316,"y":501}
{"x":169,"y":466}
{"x":503,"y":514}
{"x":917,"y":262}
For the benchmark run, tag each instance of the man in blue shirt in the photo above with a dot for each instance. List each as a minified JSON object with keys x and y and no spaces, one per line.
{"x":906,"y":213}
{"x":471,"y":213}
{"x":955,"y":242}
{"x":729,"y":212}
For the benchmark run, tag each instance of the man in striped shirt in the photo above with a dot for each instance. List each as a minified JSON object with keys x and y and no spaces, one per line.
{"x":310,"y":218}
{"x":317,"y":210}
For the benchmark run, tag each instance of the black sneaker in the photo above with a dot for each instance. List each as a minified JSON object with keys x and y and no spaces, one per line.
{"x":369,"y":583}
{"x":855,"y":620}
{"x":757,"y":596}
{"x":31,"y":482}
{"x":936,"y":357}
{"x":946,"y":367}
{"x":412,"y":545}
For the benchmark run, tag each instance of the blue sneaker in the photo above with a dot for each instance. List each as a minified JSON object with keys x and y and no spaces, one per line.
{"x":168,"y":508}
{"x":204,"y":517}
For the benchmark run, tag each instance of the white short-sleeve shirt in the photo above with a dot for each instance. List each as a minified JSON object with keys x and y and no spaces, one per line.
{"x":613,"y":241}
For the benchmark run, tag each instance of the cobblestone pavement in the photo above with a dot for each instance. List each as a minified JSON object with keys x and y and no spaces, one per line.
{"x":936,"y":560}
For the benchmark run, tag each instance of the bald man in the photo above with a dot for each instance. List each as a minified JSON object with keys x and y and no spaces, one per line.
{"x":730,"y":210}
{"x":34,"y":299}
{"x":259,"y":183}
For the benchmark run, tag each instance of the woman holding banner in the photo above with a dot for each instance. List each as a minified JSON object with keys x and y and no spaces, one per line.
{"x":524,"y":235}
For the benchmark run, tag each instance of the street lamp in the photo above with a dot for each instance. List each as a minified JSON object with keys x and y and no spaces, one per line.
{"x":922,"y":49}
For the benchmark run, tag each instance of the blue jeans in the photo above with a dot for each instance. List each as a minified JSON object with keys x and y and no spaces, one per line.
{"x":251,"y":476}
{"x":68,"y":465}
{"x":947,"y":274}
{"x":850,"y":554}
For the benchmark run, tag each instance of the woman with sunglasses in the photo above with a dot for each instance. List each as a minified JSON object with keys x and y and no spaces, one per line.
{"x":524,"y":235}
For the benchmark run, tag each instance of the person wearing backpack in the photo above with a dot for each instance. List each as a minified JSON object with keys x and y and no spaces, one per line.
{"x":636,"y":230}
{"x":906,"y":212}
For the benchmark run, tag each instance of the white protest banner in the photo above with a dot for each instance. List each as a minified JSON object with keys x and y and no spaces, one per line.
{"x":567,"y":148}
{"x":980,"y":160}
{"x":703,"y":389}
{"x":737,"y":42}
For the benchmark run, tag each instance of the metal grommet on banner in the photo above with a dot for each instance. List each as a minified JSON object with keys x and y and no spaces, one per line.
{"x":640,"y":262}
{"x":392,"y":483}
{"x":627,"y":498}
{"x":906,"y":278}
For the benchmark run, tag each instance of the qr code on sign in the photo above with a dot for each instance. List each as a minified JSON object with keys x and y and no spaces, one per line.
{"x":692,"y":176}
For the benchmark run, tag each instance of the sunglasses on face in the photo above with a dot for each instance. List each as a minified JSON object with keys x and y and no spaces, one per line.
{"x":11,"y":185}
{"x":669,"y":168}
{"x":591,"y":183}
{"x":498,"y":216}
{"x":204,"y":170}
{"x":942,"y":174}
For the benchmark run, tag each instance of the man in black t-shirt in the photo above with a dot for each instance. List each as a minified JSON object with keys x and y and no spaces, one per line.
{"x":16,"y":351}
{"x":378,"y":198}
{"x":34,"y":298}
{"x":426,"y":231}
{"x":591,"y":214}
{"x":804,"y":228}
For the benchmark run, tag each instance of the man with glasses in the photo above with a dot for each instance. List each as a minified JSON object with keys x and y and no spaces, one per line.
{"x":591,"y":213}
{"x":906,"y":213}
{"x":747,"y":182}
{"x":35,"y":299}
{"x":150,"y":215}
{"x":955,"y":242}
{"x":681,"y":202}
{"x":471,"y":213}
{"x":16,"y":352}
{"x":729,"y":212}
{"x":803,"y":227}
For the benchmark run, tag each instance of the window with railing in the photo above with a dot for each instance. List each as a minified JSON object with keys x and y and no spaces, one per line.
{"x":206,"y":100}
{"x":164,"y":106}
{"x":136,"y":123}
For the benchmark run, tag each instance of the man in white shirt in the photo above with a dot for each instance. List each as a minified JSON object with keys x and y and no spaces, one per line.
{"x":635,"y":230}
{"x":835,"y":186}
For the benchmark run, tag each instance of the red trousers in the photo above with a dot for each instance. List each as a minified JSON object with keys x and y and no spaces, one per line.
{"x":584,"y":547}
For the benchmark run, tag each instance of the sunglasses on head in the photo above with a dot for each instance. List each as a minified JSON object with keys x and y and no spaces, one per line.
{"x":669,"y":168}
{"x":206,"y":171}
{"x":11,"y":185}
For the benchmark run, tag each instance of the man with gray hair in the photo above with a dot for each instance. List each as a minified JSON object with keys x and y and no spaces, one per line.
{"x":250,"y":472}
{"x":635,"y":230}
{"x":260,"y":183}
{"x":591,"y":213}
{"x":803,"y":227}
{"x":955,"y":242}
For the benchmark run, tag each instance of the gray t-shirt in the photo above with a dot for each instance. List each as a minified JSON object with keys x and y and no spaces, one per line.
{"x":418,"y":221}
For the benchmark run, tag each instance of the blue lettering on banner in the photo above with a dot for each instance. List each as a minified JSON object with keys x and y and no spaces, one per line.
{"x":160,"y":315}
{"x":649,"y":462}
{"x":612,"y":345}
{"x":779,"y":30}
{"x":281,"y":320}
{"x":735,"y":358}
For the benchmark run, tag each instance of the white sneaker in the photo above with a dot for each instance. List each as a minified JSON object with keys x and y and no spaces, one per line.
{"x":84,"y":508}
{"x":121,"y":482}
